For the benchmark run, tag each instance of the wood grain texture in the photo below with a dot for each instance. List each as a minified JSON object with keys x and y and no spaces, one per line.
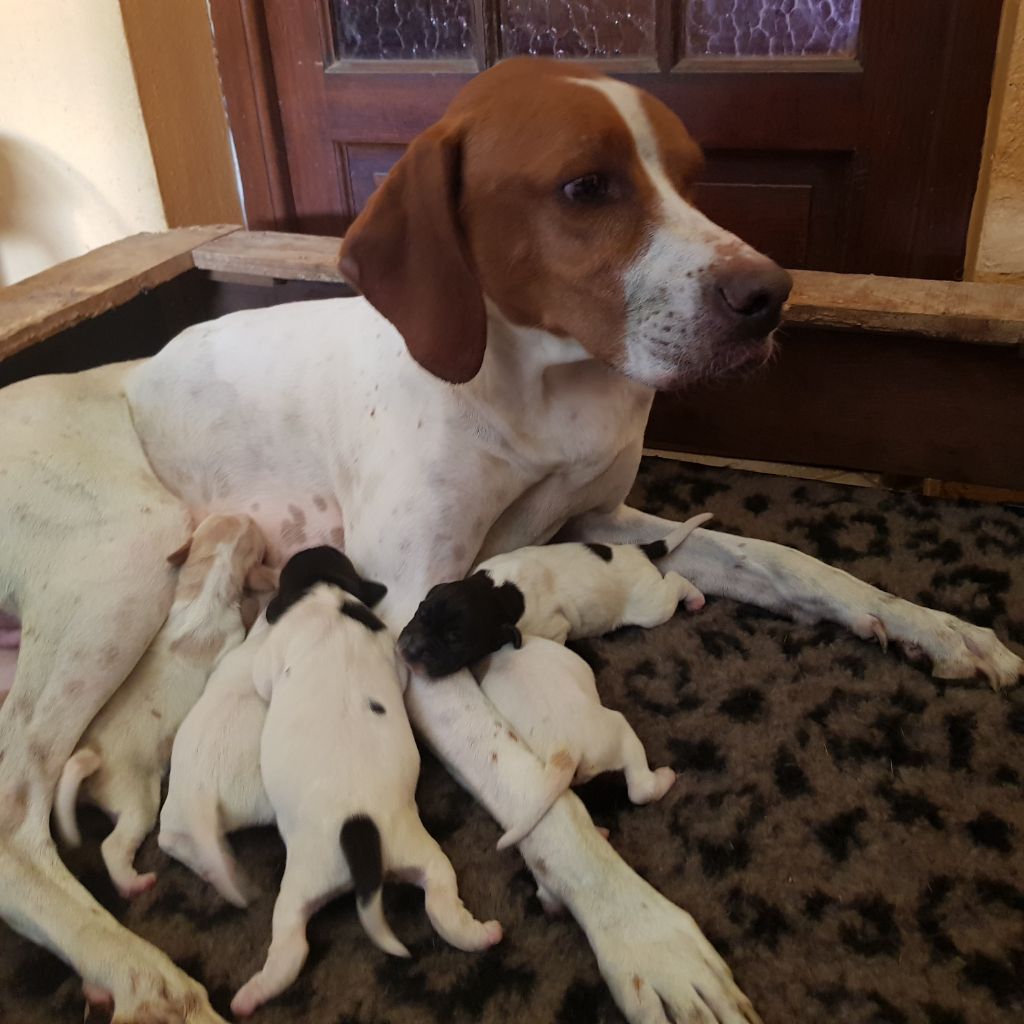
{"x":863,"y":400}
{"x":103,"y":279}
{"x":991,"y":314}
{"x":172,"y":54}
{"x":272,"y":254}
{"x":250,"y":95}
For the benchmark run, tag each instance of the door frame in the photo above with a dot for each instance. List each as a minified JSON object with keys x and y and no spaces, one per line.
{"x":929,"y":236}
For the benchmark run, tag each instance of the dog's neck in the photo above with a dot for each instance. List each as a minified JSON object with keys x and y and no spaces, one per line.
{"x":527,"y":368}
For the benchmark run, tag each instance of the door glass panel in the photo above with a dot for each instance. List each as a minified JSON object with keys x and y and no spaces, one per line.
{"x":772,"y":28}
{"x":402,"y":29}
{"x":571,"y":28}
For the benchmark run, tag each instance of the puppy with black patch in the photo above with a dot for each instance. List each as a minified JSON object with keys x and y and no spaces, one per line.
{"x":548,"y":694}
{"x":120,"y":761}
{"x":215,"y":786}
{"x":556,"y":591}
{"x":340,"y":767}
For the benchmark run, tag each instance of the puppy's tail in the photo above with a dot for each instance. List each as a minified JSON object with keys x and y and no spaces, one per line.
{"x":558,"y":775}
{"x":80,"y":765}
{"x":360,"y":842}
{"x":660,"y":548}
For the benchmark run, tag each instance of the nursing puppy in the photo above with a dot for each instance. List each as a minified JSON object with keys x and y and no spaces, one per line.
{"x":548,"y":694}
{"x":215,"y":786}
{"x":340,"y":767}
{"x":557,"y":591}
{"x":121,"y":759}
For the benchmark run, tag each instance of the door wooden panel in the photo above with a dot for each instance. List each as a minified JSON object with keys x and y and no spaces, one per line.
{"x":855,"y":147}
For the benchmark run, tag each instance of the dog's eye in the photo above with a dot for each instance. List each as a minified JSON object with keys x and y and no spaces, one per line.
{"x":591,"y":188}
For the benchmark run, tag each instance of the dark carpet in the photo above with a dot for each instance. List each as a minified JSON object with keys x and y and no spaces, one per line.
{"x":848,"y":831}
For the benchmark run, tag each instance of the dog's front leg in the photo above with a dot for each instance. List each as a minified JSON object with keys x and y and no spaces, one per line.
{"x":789,"y":582}
{"x":652,"y":954}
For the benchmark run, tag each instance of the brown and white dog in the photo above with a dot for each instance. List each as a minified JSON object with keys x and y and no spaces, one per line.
{"x":538,"y":247}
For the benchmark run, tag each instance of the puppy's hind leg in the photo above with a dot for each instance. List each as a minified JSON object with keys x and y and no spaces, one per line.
{"x":644,"y":786}
{"x":416,"y":857}
{"x":312,"y":875}
{"x":191,"y":832}
{"x":136,"y":807}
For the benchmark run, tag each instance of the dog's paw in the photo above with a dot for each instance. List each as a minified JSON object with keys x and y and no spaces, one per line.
{"x":956,"y":649}
{"x":661,"y":969}
{"x":151,"y":990}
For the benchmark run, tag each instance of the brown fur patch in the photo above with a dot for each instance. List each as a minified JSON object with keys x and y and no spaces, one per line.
{"x":561,"y":759}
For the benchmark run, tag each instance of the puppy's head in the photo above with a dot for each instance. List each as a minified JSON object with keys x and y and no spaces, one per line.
{"x":230,"y":545}
{"x":459,"y":623}
{"x":306,"y":569}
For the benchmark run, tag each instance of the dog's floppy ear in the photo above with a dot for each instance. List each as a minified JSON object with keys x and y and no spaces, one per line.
{"x":406,"y":253}
{"x":513,"y":637}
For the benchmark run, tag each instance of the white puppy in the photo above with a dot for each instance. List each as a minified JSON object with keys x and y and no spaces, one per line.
{"x":121,"y":759}
{"x":558,"y":591}
{"x":215,"y":785}
{"x":548,"y":694}
{"x":340,"y":767}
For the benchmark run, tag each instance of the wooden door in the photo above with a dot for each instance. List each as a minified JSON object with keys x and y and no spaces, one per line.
{"x":840,"y":134}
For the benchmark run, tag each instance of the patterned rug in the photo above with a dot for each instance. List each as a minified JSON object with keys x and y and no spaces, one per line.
{"x":848,"y":831}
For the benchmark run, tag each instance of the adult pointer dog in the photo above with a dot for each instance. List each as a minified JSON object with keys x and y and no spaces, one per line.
{"x":532,"y":272}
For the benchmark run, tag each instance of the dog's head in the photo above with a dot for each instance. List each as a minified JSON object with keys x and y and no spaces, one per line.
{"x":564,"y":198}
{"x":459,"y":623}
{"x":325,"y":564}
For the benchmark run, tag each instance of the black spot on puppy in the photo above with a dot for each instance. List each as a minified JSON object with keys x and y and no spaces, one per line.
{"x":361,"y":614}
{"x":377,"y":709}
{"x":655,"y":549}
{"x":603,"y":551}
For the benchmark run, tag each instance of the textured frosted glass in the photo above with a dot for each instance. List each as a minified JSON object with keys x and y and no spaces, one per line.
{"x":563,"y":28}
{"x":402,"y":29}
{"x":772,"y":28}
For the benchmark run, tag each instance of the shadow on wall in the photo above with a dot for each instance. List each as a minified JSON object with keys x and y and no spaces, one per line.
{"x":49,"y":212}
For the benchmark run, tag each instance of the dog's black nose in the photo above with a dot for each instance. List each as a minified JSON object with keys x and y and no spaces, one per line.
{"x":752,"y":290}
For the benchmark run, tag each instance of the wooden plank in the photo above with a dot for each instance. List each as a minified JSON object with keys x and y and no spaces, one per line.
{"x":990,"y":314}
{"x":273,"y":254}
{"x":46,"y":303}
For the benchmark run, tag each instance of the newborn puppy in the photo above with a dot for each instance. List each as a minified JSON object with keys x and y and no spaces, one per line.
{"x":557,"y":591}
{"x":549,"y":696}
{"x":215,"y":785}
{"x":340,"y":767}
{"x":124,"y":753}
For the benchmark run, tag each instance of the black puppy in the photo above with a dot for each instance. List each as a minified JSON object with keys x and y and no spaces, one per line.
{"x":325,"y":564}
{"x":461,"y":622}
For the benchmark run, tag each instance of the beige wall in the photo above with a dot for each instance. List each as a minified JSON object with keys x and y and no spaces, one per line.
{"x":996,"y":247}
{"x":75,"y":165}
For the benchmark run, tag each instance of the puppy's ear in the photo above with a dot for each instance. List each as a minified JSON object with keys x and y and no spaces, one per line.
{"x":406,"y":253}
{"x":262,"y":579}
{"x":276,"y":608}
{"x":513,"y":637}
{"x":370,"y":592}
